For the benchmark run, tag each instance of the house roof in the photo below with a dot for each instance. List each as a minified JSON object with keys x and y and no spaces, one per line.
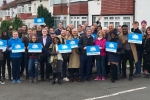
{"x":117,"y":7}
{"x":23,"y":1}
{"x":8,"y":5}
{"x":32,"y":17}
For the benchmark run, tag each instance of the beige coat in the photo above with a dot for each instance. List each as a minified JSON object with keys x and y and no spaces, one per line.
{"x":60,"y":37}
{"x":133,"y":47}
{"x":74,"y":60}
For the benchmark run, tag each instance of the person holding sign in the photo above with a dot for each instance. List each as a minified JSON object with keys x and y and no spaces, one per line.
{"x":130,"y":53}
{"x":56,"y":60}
{"x":15,"y":57}
{"x":114,"y":58}
{"x":74,"y":59}
{"x":100,"y":59}
{"x":136,"y":30}
{"x":85,"y":61}
{"x":6,"y":57}
{"x":33,"y":62}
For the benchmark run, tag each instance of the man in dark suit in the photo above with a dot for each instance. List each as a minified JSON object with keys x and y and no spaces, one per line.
{"x":46,"y":42}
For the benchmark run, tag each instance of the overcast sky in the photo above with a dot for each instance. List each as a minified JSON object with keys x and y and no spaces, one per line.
{"x":1,"y":1}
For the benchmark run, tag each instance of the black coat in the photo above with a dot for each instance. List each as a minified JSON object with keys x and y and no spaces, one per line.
{"x":45,"y":49}
{"x":146,"y":49}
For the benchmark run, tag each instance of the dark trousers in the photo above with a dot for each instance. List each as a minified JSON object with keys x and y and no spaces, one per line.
{"x":146,"y":65}
{"x":26,"y":59}
{"x":64,"y":68}
{"x":85,"y":64}
{"x":22,"y":64}
{"x":6,"y":58}
{"x":74,"y":72}
{"x":127,"y":56}
{"x":42,"y":63}
{"x":16,"y":62}
{"x":107,"y":67}
{"x":0,"y":68}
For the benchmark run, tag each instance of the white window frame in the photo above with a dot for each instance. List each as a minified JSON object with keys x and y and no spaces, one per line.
{"x":57,"y":20}
{"x":23,"y":9}
{"x":76,"y":20}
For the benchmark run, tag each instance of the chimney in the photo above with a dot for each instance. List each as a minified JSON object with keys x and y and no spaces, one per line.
{"x":4,"y":2}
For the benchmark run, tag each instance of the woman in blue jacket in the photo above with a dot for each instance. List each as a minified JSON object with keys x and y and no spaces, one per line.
{"x":15,"y":57}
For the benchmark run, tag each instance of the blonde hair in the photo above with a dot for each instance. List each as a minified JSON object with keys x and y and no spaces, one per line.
{"x":100,"y":32}
{"x":14,"y":31}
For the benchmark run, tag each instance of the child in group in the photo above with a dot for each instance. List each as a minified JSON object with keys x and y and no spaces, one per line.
{"x":56,"y":60}
{"x":33,"y":63}
{"x":1,"y":60}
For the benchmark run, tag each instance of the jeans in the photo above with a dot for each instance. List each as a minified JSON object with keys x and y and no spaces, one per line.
{"x":16,"y":62}
{"x":0,"y":68}
{"x":64,"y":67}
{"x":85,"y":64}
{"x":128,"y":55}
{"x":100,"y":63}
{"x":26,"y":59}
{"x":138,"y":64}
{"x":33,"y":67}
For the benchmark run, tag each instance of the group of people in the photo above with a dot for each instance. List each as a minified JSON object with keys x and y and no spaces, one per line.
{"x":76,"y":65}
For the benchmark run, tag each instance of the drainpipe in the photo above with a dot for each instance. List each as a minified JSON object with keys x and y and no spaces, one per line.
{"x":134,"y":10}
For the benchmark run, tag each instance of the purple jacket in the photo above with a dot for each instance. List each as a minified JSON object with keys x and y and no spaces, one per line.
{"x":102,"y":44}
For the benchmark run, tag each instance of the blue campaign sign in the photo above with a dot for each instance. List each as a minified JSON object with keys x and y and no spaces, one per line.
{"x":35,"y":47}
{"x":135,"y":38}
{"x":3,"y":44}
{"x":111,"y":46}
{"x":73,"y":43}
{"x":39,"y":21}
{"x":92,"y":50}
{"x":18,"y":48}
{"x":94,"y":36}
{"x":64,"y":48}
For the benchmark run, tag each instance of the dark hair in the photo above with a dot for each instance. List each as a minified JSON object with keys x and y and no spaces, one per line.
{"x":69,"y":31}
{"x":135,"y":22}
{"x":100,"y":26}
{"x":148,"y":28}
{"x":57,"y":39}
{"x":124,"y":26}
{"x":34,"y":36}
{"x":80,"y":25}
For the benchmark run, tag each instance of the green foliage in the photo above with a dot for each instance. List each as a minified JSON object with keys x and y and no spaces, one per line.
{"x":5,"y":25}
{"x":43,"y":12}
{"x":17,"y":23}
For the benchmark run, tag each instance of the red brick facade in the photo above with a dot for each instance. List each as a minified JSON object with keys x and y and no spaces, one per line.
{"x":78,"y":8}
{"x":24,"y":16}
{"x":60,"y":9}
{"x":113,"y":7}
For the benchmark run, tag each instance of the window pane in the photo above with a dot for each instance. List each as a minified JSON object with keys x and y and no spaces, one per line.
{"x":105,"y":24}
{"x":83,"y":22}
{"x":29,"y":9}
{"x":78,"y":23}
{"x":117,"y":24}
{"x":22,"y":9}
{"x":111,"y":23}
{"x":126,"y":18}
{"x":105,"y":18}
{"x":84,"y":17}
{"x":117,"y":18}
{"x":111,"y":18}
{"x":75,"y":24}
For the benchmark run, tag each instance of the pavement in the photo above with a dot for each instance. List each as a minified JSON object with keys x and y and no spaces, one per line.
{"x":138,"y":89}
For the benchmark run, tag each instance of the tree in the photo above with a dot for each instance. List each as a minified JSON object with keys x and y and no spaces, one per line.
{"x":43,"y":12}
{"x":5,"y":25}
{"x":17,"y":23}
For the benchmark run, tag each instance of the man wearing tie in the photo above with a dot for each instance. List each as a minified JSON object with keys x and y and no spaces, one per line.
{"x":46,"y":42}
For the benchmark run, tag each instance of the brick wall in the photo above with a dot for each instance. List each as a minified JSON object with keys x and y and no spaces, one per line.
{"x":112,"y":7}
{"x":78,"y":8}
{"x":24,"y":16}
{"x":60,"y":9}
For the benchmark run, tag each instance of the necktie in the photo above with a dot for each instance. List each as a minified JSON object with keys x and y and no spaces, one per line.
{"x":63,"y":41}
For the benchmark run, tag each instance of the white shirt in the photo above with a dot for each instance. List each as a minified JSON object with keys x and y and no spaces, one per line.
{"x":59,"y":55}
{"x":44,"y":40}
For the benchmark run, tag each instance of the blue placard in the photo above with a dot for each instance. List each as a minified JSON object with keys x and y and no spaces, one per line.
{"x":94,"y":36}
{"x":35,"y":47}
{"x":92,"y":50}
{"x":64,"y":48}
{"x":18,"y":48}
{"x":39,"y":21}
{"x":135,"y":38}
{"x":111,"y":46}
{"x":73,"y":43}
{"x":3,"y":44}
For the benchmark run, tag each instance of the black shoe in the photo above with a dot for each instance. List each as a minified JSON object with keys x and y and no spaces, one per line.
{"x":82,"y":80}
{"x":53,"y":82}
{"x":130,"y":78}
{"x":147,"y":76}
{"x":112,"y":80}
{"x":123,"y":77}
{"x":88,"y":79}
{"x":59,"y":82}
